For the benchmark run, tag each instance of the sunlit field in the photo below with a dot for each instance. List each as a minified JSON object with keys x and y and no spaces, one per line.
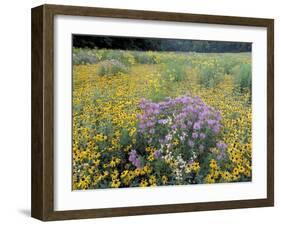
{"x":151,"y":118}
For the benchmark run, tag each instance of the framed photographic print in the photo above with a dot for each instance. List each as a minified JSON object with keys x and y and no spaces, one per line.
{"x":141,"y":112}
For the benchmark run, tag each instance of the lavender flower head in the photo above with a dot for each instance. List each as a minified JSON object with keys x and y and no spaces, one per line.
{"x":157,"y":154}
{"x":194,"y":135}
{"x":221,"y":145}
{"x":186,"y":119}
{"x":196,"y":126}
{"x":133,"y":158}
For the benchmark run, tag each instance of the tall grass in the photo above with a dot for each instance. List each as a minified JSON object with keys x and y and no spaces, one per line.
{"x":145,"y":57}
{"x":111,"y":67}
{"x":123,"y":56}
{"x":210,"y":74}
{"x":84,"y":56}
{"x":210,"y":69}
{"x":242,"y":76}
{"x":174,"y":71}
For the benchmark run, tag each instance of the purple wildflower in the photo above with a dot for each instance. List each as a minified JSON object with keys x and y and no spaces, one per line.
{"x":157,"y":154}
{"x":173,"y":127}
{"x":134,"y":159}
{"x":163,"y":121}
{"x":194,"y":135}
{"x":202,"y":135}
{"x":221,"y":145}
{"x":216,"y":129}
{"x":211,"y":122}
{"x":137,"y":163}
{"x":190,"y":143}
{"x":197,"y":126}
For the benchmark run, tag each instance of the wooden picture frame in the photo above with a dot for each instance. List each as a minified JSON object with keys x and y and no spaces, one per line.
{"x":42,"y":203}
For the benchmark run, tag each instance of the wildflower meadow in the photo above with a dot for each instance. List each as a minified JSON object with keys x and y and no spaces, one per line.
{"x":153,"y":118}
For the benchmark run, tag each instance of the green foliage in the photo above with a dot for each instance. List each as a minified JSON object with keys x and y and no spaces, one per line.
{"x":210,"y":74}
{"x":159,"y":44}
{"x":157,"y":95}
{"x":174,"y":70}
{"x":242,"y":76}
{"x":78,"y":108}
{"x":228,"y":62}
{"x":145,"y":57}
{"x":121,"y":55}
{"x":125,"y":138}
{"x":111,"y":67}
{"x":84,"y":56}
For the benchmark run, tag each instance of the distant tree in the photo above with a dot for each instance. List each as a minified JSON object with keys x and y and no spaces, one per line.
{"x":157,"y":44}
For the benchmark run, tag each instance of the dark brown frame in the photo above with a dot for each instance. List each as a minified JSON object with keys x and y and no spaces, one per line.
{"x":42,"y":203}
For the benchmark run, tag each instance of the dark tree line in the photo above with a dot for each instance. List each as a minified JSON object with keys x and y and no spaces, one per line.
{"x":157,"y":44}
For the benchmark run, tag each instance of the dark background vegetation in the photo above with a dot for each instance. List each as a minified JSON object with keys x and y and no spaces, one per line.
{"x":157,"y":44}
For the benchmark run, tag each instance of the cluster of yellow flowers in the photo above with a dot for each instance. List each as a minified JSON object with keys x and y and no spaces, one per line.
{"x":237,"y":129}
{"x":237,"y":120}
{"x":105,"y":110}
